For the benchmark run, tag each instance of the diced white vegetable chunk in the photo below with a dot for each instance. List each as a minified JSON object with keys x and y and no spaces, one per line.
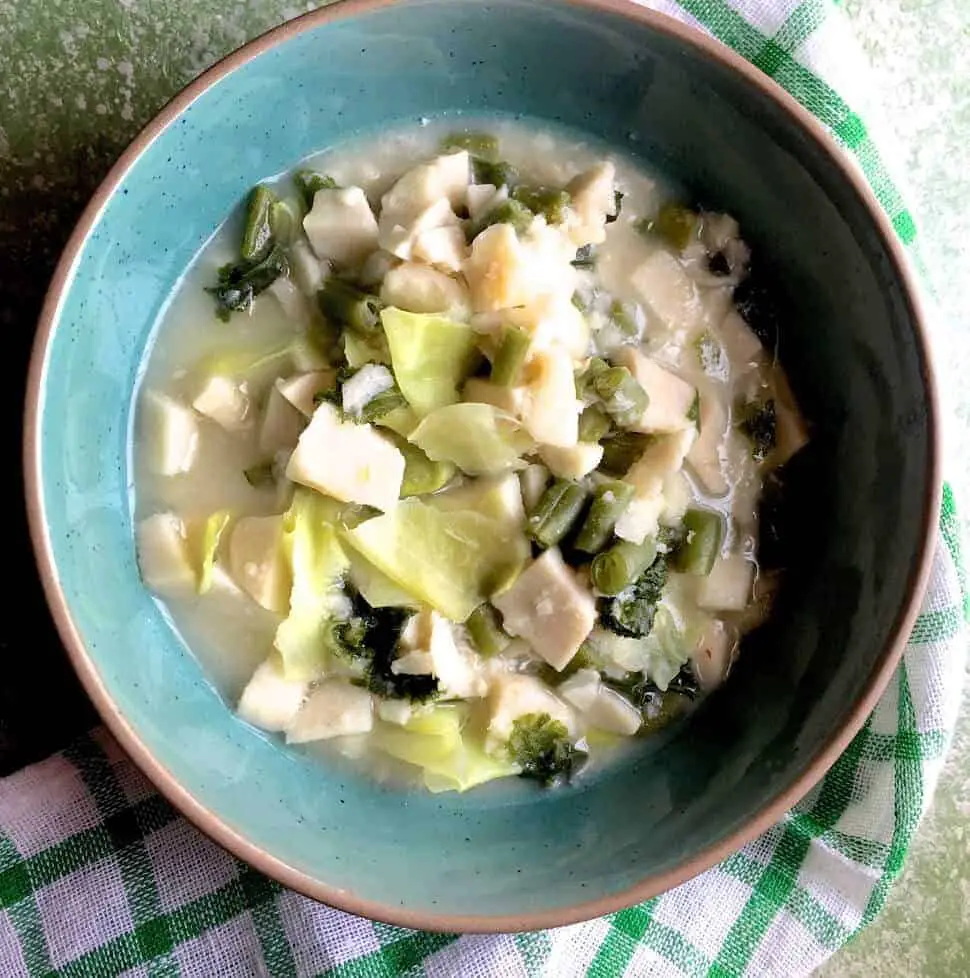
{"x":225,"y":402}
{"x":728,"y":586}
{"x":553,"y":320}
{"x":269,"y":700}
{"x":482,"y":197}
{"x":671,"y":398}
{"x":306,"y":269}
{"x":648,"y":475}
{"x":417,"y":288}
{"x":258,"y":563}
{"x":515,"y":695}
{"x":360,"y":389}
{"x":170,"y":431}
{"x":281,"y":425}
{"x":400,"y":233}
{"x":711,"y":659}
{"x":532,"y":481}
{"x":333,"y":709}
{"x":301,"y":389}
{"x":292,"y":300}
{"x":508,"y":399}
{"x":394,"y":711}
{"x":551,"y":410}
{"x":444,"y":247}
{"x":591,"y":201}
{"x":601,"y":706}
{"x":677,"y":496}
{"x":549,"y":608}
{"x":341,"y":225}
{"x":666,"y":288}
{"x":741,"y":346}
{"x":706,"y":456}
{"x":445,"y":176}
{"x":348,"y":461}
{"x":163,"y":556}
{"x":430,"y":638}
{"x":574,"y":462}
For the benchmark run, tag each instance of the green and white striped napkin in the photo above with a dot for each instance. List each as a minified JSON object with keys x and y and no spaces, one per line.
{"x":100,"y":877}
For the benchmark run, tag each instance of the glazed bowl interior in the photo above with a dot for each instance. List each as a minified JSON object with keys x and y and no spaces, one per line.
{"x":509,"y":856}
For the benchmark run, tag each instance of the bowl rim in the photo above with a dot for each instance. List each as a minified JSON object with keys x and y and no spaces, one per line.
{"x":208,"y":821}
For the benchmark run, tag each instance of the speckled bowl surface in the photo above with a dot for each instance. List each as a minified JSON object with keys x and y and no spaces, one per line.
{"x":506,"y":857}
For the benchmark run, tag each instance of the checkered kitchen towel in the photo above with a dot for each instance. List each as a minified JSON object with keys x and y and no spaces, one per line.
{"x":100,"y":877}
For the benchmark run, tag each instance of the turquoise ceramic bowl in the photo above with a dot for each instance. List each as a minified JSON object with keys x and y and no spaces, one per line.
{"x":508,"y":858}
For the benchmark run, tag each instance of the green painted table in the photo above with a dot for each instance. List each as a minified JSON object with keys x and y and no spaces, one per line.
{"x":78,"y":79}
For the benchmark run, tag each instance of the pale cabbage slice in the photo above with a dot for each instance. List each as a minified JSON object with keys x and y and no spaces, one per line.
{"x":434,"y":742}
{"x":452,"y":561}
{"x":431,"y":356}
{"x":317,"y":563}
{"x":479,"y":438}
{"x":377,"y":589}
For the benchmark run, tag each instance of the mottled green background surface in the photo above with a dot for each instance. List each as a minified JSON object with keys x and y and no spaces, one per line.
{"x":78,"y":79}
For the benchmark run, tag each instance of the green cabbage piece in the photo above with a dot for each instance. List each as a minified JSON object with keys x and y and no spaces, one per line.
{"x":450,"y":560}
{"x":478,"y":438}
{"x":212,"y":531}
{"x":318,"y":562}
{"x":433,"y":741}
{"x":431,"y":356}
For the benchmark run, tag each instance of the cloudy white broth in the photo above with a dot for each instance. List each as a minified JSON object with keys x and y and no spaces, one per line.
{"x":450,"y":451}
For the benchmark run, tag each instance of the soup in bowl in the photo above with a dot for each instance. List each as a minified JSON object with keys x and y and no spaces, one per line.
{"x":436,"y":462}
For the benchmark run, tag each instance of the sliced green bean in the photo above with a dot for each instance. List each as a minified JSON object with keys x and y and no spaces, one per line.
{"x":702,"y":545}
{"x":283,"y":222}
{"x":674,"y":223}
{"x":617,"y":568}
{"x":257,"y":239}
{"x":480,"y":144}
{"x":610,"y":499}
{"x":498,"y":174}
{"x":552,"y":204}
{"x":346,"y":304}
{"x":621,"y":450}
{"x":557,"y":511}
{"x":623,"y":398}
{"x":485,"y":631}
{"x":308,"y":182}
{"x":511,"y":356}
{"x":508,"y":212}
{"x":594,"y":424}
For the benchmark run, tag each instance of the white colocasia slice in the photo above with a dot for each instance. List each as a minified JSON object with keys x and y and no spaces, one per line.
{"x":549,"y":608}
{"x":671,"y":403}
{"x":599,"y":705}
{"x":341,"y":226}
{"x":270,"y":701}
{"x":257,"y":561}
{"x":163,"y":554}
{"x":592,"y":200}
{"x":516,"y":695}
{"x":171,"y":432}
{"x":371,"y":468}
{"x":224,"y":401}
{"x":420,"y":289}
{"x":335,"y":708}
{"x":665,"y":287}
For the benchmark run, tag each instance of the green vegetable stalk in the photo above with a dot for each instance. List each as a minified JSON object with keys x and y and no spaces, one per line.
{"x":346,"y":304}
{"x":702,"y":544}
{"x":610,"y":499}
{"x":486,"y":632}
{"x":621,"y":450}
{"x":617,"y":568}
{"x":511,"y":356}
{"x":308,"y":182}
{"x":257,"y":236}
{"x":594,"y":424}
{"x":556,"y":512}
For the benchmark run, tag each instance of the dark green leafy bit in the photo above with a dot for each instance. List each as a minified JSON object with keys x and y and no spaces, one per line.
{"x":239,"y":283}
{"x":496,"y":173}
{"x":632,"y":611}
{"x":542,"y":748}
{"x":552,"y":204}
{"x":617,"y":207}
{"x":508,"y":212}
{"x":621,"y":450}
{"x":585,"y":257}
{"x":480,"y":144}
{"x":656,"y":707}
{"x":756,"y":302}
{"x":344,"y":303}
{"x":675,"y":224}
{"x":372,"y":635}
{"x":694,"y":411}
{"x":757,"y":421}
{"x":308,"y":182}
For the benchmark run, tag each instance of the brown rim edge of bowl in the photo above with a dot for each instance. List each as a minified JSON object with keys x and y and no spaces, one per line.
{"x":227,"y":836}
